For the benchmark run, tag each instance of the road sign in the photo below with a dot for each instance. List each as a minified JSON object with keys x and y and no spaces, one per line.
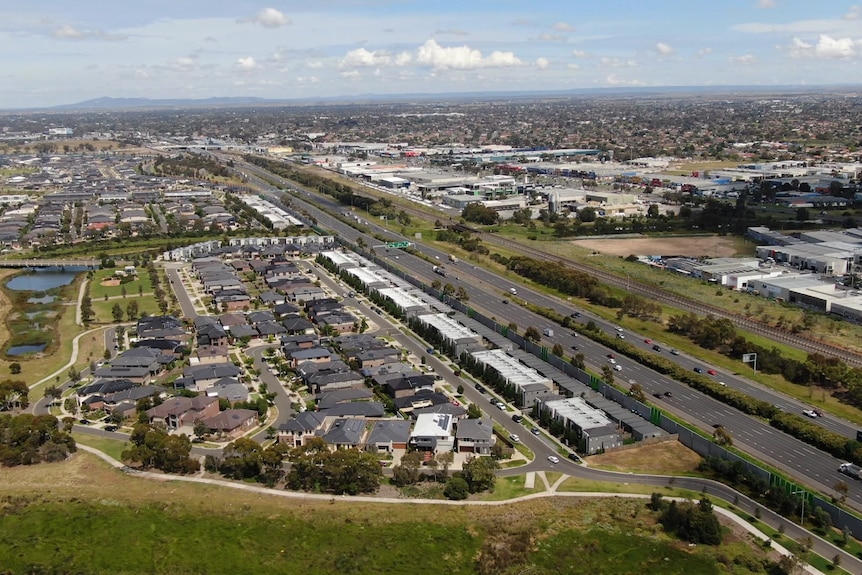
{"x":748,"y":357}
{"x":398,"y":245}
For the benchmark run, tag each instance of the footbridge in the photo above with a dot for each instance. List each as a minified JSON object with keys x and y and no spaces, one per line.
{"x":48,"y":263}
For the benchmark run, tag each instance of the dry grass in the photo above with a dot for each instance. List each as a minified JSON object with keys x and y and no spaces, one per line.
{"x":667,"y":458}
{"x":712,"y":246}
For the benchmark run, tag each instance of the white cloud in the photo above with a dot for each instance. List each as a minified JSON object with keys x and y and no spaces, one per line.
{"x":581,"y":54}
{"x":703,"y":52}
{"x":563,"y":27}
{"x":67,"y":32}
{"x":268,"y":18}
{"x":766,"y":4}
{"x":549,"y":37}
{"x":542,"y":63}
{"x":854,"y":12}
{"x":573,"y":66}
{"x":350,"y":75}
{"x":614,"y":80}
{"x":314,"y":65}
{"x":362,"y":58}
{"x":826,"y":48}
{"x":744,"y":59}
{"x":246,"y":64}
{"x":618,"y":63}
{"x":664,"y":49}
{"x":307,"y":80}
{"x":462,"y":57}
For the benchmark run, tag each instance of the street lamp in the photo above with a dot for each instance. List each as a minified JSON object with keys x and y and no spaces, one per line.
{"x":802,"y":513}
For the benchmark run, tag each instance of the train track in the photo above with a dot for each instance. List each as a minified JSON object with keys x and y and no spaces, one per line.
{"x":656,"y":294}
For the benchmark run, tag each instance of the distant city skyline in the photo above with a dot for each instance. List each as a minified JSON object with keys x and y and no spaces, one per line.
{"x":55,"y":52}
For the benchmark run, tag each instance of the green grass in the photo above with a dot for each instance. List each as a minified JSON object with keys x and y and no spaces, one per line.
{"x":98,"y":291}
{"x":510,"y":488}
{"x":112,"y":447}
{"x":103,"y":308}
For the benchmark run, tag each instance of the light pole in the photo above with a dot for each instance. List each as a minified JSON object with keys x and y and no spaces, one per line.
{"x":802,"y":513}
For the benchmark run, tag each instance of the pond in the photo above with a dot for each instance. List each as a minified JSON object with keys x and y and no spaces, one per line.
{"x":43,"y":279}
{"x":16,"y":350}
{"x":44,"y":299}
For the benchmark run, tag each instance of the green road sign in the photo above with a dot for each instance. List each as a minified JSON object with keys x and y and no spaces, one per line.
{"x":398,"y":245}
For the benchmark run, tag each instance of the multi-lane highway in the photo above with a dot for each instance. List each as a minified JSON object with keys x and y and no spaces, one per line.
{"x":488,"y":291}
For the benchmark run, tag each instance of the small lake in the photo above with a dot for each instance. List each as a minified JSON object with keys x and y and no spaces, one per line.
{"x":25,"y":349}
{"x":43,"y":279}
{"x":42,"y":300}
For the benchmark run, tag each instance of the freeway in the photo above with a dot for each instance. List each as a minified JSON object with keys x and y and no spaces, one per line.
{"x":487,"y":291}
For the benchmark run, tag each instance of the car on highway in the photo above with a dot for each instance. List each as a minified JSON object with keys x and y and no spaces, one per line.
{"x":618,"y":367}
{"x":576,"y":348}
{"x":553,"y":459}
{"x":698,"y":370}
{"x":657,"y":348}
{"x":610,"y":355}
{"x":612,"y":360}
{"x":722,"y":384}
{"x":647,"y":341}
{"x":810,"y":413}
{"x":575,"y":334}
{"x":514,"y":438}
{"x":618,"y":328}
{"x":575,"y":314}
{"x":668,"y":394}
{"x":657,"y":394}
{"x":505,"y":301}
{"x":621,"y":336}
{"x":674,"y":352}
{"x":711,"y":372}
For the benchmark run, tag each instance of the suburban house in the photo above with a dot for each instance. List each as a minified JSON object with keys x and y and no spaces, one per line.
{"x":475,"y":436}
{"x":232,"y":422}
{"x":295,"y":432}
{"x":177,"y":412}
{"x":387,"y":435}
{"x":345,"y":433}
{"x":433,"y":432}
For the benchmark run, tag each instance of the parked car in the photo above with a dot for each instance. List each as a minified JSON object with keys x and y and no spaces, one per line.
{"x":85,"y":422}
{"x":481,"y":388}
{"x":517,"y":418}
{"x":575,"y":314}
{"x":553,"y":459}
{"x":574,"y":457}
{"x":111,"y":428}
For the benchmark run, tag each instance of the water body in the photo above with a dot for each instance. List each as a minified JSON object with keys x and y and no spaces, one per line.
{"x":43,"y":279}
{"x":43,"y":299}
{"x":16,"y":350}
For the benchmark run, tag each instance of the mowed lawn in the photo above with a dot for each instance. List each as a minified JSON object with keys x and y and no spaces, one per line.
{"x":103,"y":309}
{"x":84,"y":516}
{"x":99,"y":291}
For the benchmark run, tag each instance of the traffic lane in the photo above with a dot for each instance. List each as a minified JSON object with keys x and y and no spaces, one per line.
{"x":183,"y":297}
{"x":282,"y":398}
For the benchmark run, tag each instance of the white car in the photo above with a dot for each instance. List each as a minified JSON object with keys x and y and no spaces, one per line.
{"x":553,"y":459}
{"x":619,"y":329}
{"x":514,"y":438}
{"x":618,"y":367}
{"x":612,"y":361}
{"x":810,"y":413}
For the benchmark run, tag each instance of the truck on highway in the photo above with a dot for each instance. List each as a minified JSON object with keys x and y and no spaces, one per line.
{"x":850,"y":470}
{"x":453,"y":259}
{"x":439,"y":271}
{"x":548,"y":332}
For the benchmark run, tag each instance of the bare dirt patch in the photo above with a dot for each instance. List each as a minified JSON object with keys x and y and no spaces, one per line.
{"x":696,"y":246}
{"x":109,"y":283}
{"x":669,"y":457}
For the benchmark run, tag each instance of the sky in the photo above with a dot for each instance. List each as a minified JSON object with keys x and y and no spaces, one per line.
{"x":55,"y":52}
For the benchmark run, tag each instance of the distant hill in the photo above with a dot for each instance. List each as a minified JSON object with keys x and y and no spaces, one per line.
{"x":108,"y":103}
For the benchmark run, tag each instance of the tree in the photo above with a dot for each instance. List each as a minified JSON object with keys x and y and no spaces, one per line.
{"x":480,"y":214}
{"x":842,"y":489}
{"x":461,"y":294}
{"x":652,"y":211}
{"x":532,"y":334}
{"x":478,"y":472}
{"x":607,"y":374}
{"x":444,"y":460}
{"x":722,"y":437}
{"x":802,"y":214}
{"x":456,"y":489}
{"x":637,"y":391}
{"x":132,"y":310}
{"x":408,"y":472}
{"x":587,"y":214}
{"x":200,"y":428}
{"x":474,"y":411}
{"x":117,"y":312}
{"x":74,"y":374}
{"x":14,"y":368}
{"x":557,"y":350}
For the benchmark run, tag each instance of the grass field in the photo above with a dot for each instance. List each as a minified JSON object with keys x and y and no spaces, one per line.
{"x":59,"y":518}
{"x":103,"y":309}
{"x":98,"y":291}
{"x":666,"y":458}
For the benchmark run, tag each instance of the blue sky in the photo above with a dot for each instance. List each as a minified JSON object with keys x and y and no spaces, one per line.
{"x":63,"y":51}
